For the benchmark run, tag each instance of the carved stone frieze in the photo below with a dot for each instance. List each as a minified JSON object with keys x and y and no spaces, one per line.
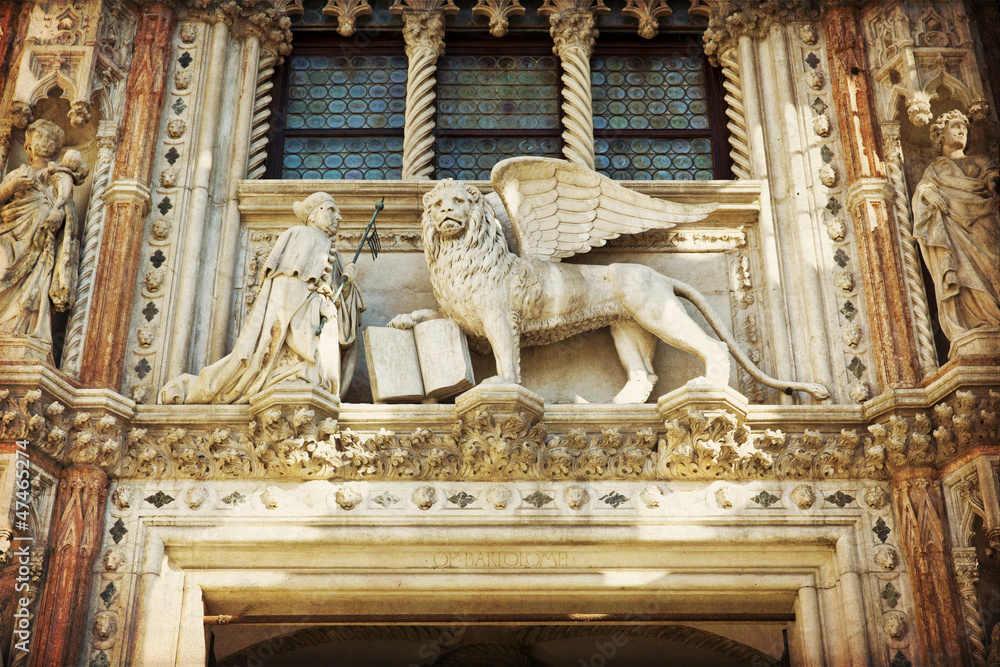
{"x":267,"y":20}
{"x":299,"y":442}
{"x":732,"y":19}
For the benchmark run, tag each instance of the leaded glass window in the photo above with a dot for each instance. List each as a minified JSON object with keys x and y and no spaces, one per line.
{"x":494,"y":107}
{"x":344,"y":111}
{"x":654,"y":117}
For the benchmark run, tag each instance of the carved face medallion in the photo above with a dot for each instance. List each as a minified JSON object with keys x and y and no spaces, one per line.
{"x":450,"y":210}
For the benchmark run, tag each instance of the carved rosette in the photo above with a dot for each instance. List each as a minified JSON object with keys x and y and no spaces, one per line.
{"x":573,"y":34}
{"x":423,"y":33}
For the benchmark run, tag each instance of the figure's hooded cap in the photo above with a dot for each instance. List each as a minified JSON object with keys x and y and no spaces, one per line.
{"x":303,"y":209}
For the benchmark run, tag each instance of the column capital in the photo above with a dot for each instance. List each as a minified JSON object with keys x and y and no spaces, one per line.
{"x":423,"y":33}
{"x":132,"y":191}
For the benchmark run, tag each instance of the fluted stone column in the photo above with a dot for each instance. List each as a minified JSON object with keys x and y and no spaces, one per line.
{"x":107,"y":143}
{"x":423,"y":32}
{"x":198,"y":208}
{"x":127,"y":201}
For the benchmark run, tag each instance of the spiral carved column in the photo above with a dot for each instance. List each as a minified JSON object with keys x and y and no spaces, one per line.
{"x":927,"y":355}
{"x":423,"y":33}
{"x":573,"y":33}
{"x":107,"y":142}
{"x":127,"y":200}
{"x":967,"y":575}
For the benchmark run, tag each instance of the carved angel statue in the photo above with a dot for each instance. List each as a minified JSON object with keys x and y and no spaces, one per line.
{"x":558,"y":210}
{"x":300,"y":328}
{"x":39,"y":228}
{"x":958,"y":228}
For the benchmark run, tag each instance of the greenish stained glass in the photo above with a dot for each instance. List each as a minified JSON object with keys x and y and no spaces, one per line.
{"x":369,"y":158}
{"x":471,"y":159}
{"x":497,"y":93}
{"x":649,"y":93}
{"x":312,"y":14}
{"x":493,"y":96}
{"x":361,"y":92}
{"x":655,"y":159}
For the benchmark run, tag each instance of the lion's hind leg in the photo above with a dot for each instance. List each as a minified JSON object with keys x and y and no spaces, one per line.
{"x":635,"y":346}
{"x":649,"y":298}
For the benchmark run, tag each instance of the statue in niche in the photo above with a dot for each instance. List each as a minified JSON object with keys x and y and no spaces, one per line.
{"x":301,"y":329}
{"x":958,"y":229}
{"x":503,"y":300}
{"x":39,"y":229}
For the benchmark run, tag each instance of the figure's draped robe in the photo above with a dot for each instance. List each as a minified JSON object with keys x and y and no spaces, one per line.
{"x":962,"y":246}
{"x":32,"y":250}
{"x":279,"y":340}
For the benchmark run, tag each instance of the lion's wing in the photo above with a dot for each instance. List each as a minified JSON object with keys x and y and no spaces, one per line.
{"x":560,"y":209}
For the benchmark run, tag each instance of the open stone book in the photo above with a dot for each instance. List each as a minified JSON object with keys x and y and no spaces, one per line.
{"x":431,"y":360}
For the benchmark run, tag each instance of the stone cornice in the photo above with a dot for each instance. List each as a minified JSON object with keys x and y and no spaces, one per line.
{"x":691,"y":436}
{"x":268,"y":204}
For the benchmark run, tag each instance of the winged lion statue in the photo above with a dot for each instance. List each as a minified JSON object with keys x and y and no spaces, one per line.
{"x":505,"y":300}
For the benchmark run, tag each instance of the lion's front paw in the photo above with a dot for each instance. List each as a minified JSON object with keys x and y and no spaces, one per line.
{"x":404,"y":321}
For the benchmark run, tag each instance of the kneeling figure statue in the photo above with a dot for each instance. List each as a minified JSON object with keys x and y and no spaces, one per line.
{"x":300,"y":328}
{"x":558,"y":210}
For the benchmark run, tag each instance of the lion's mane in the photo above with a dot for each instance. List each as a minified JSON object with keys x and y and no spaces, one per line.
{"x":470,"y":271}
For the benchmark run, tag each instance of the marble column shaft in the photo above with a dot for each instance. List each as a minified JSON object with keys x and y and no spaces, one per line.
{"x":573,"y":36}
{"x":106,"y":342}
{"x":423,"y":33}
{"x":870,"y":202}
{"x":76,"y":539}
{"x":923,"y":536}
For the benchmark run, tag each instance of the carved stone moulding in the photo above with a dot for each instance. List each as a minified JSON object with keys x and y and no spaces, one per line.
{"x":915,"y":49}
{"x":499,"y":432}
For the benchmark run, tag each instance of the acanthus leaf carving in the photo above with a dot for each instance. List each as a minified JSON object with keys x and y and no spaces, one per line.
{"x":647,"y":13}
{"x":347,"y":13}
{"x":497,"y":11}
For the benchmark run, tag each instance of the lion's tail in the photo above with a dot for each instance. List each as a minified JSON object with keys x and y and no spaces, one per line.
{"x":817,"y":391}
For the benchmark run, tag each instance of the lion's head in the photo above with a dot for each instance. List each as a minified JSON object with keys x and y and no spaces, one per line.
{"x":457,"y":213}
{"x":449,"y":206}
